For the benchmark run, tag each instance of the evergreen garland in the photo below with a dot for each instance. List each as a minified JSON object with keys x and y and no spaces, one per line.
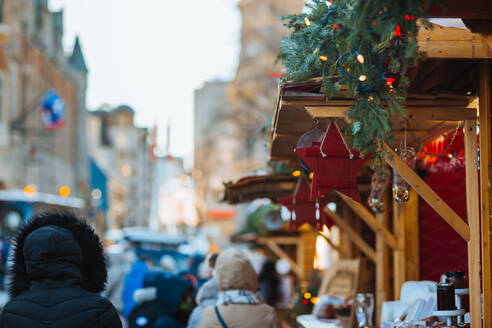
{"x":366,"y":45}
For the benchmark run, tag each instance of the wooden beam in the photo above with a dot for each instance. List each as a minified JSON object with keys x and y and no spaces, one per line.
{"x":429,"y":195}
{"x":331,"y":242}
{"x":472,"y":210}
{"x":431,"y":101}
{"x":452,"y":42}
{"x":351,"y":234}
{"x":282,"y":240}
{"x":413,"y":113}
{"x":283,"y":255}
{"x":369,"y":219}
{"x":383,"y":291}
{"x":485,"y":184}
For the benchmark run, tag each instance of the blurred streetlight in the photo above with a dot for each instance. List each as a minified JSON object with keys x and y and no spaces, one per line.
{"x":30,"y":190}
{"x":96,"y":194}
{"x":64,"y":191}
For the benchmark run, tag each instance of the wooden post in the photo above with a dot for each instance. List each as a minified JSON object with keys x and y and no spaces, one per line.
{"x":383,"y":292}
{"x":485,"y":105}
{"x":412,"y":238}
{"x":306,"y":260}
{"x":348,"y":245}
{"x":472,"y":209}
{"x":398,"y":252}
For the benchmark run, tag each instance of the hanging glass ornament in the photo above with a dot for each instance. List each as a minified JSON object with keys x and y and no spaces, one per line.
{"x":401,"y":191}
{"x":311,"y":138}
{"x":379,"y":183}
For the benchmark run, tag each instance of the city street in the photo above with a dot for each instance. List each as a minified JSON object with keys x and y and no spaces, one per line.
{"x":245,"y":164}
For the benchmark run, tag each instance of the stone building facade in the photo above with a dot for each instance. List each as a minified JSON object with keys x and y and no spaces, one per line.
{"x":122,"y":150}
{"x":228,"y":116}
{"x":32,"y":61}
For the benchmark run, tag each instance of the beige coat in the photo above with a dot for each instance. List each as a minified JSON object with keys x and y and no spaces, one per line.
{"x":234,"y":271}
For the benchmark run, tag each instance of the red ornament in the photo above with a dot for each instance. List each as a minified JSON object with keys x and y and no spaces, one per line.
{"x":303,"y":209}
{"x":333,"y":164}
{"x":409,"y":17}
{"x":397,"y":31}
{"x":335,"y":26}
{"x":390,"y":81}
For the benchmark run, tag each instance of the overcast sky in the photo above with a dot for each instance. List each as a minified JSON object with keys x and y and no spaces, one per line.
{"x":152,"y":54}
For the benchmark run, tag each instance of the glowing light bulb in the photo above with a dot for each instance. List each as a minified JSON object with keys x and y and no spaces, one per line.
{"x":307,"y":295}
{"x":307,"y":21}
{"x":370,"y":98}
{"x":296,"y":173}
{"x":323,"y":58}
{"x":360,"y":58}
{"x":311,"y":176}
{"x":362,"y":78}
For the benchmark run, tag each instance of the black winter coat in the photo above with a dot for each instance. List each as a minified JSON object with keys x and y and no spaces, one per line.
{"x":58,"y":272}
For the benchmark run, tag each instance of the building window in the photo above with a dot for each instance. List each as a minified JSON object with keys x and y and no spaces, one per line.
{"x":1,"y":100}
{"x":1,"y":11}
{"x":38,"y":13}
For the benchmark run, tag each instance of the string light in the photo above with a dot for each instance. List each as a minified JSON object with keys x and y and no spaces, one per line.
{"x":335,"y":26}
{"x":307,"y":21}
{"x":360,"y":58}
{"x":307,"y":295}
{"x":311,"y":175}
{"x":409,"y":17}
{"x":397,"y":31}
{"x":323,"y":58}
{"x":296,"y":173}
{"x":362,"y":78}
{"x":370,"y":98}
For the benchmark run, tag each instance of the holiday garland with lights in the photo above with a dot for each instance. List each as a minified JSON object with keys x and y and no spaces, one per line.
{"x":367,"y":46}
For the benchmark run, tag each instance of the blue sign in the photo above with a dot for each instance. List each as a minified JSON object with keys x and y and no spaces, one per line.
{"x":53,"y":110}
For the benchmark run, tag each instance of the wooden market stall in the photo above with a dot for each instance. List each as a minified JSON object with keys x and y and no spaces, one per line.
{"x":297,"y":248}
{"x":449,"y":91}
{"x":259,"y":186}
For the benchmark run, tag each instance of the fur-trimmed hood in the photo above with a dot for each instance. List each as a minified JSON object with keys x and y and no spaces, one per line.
{"x":57,"y":246}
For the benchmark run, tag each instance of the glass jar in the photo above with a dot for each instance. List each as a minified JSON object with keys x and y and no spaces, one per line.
{"x":445,"y":296}
{"x":457,"y":278}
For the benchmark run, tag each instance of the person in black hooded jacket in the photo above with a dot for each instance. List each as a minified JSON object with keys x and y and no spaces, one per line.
{"x":58,"y":270}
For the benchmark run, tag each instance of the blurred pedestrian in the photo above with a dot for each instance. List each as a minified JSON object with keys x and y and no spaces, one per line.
{"x":58,"y":271}
{"x":268,"y":283}
{"x":119,"y":265}
{"x":239,"y":304}
{"x":207,"y":294}
{"x":164,"y":303}
{"x":133,"y":281}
